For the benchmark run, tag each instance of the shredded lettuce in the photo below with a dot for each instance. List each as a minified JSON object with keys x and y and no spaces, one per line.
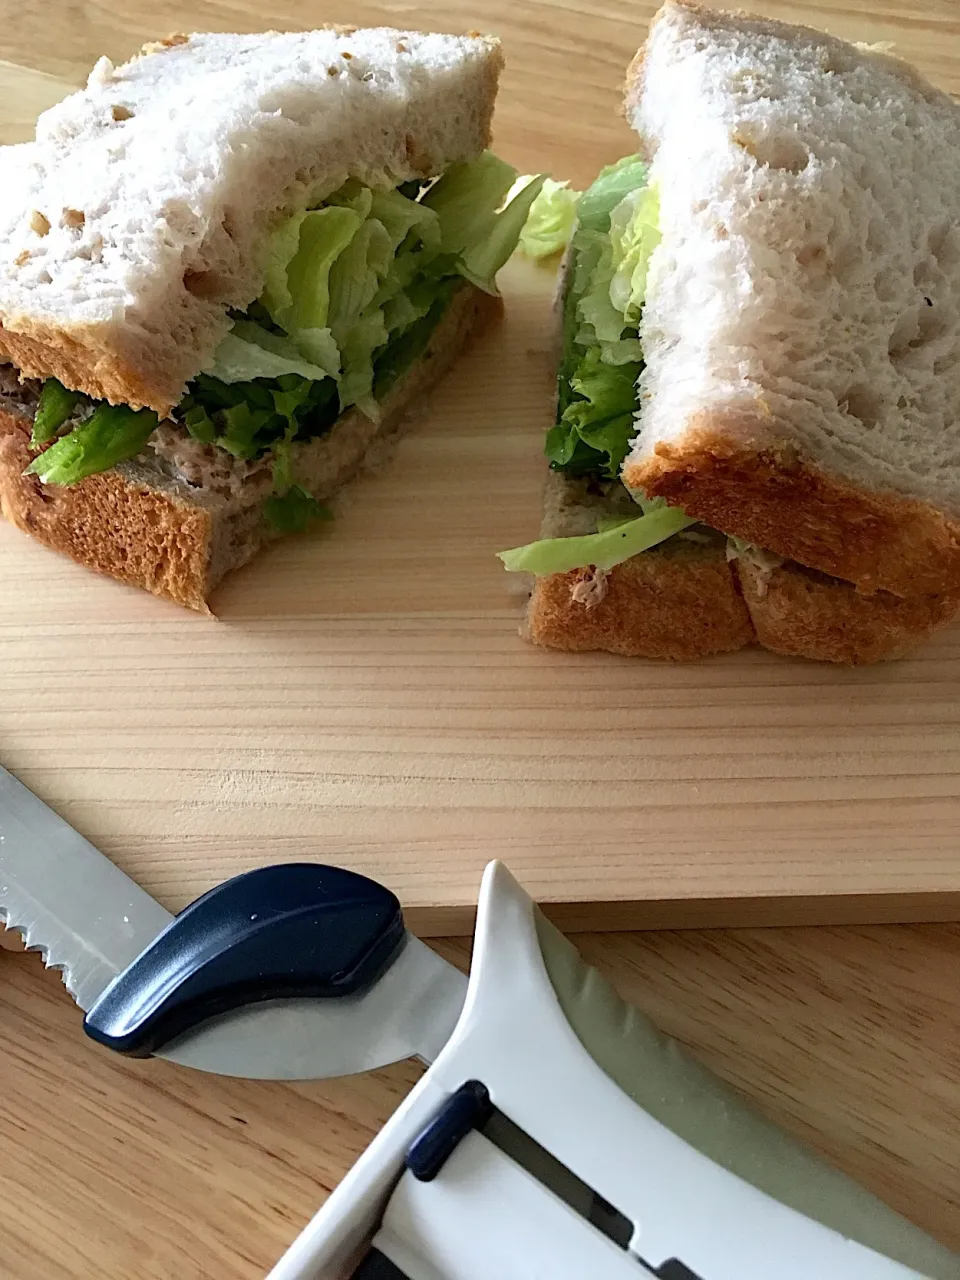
{"x":113,"y":433}
{"x":595,"y":429}
{"x":616,"y":232}
{"x":603,"y":550}
{"x":634,"y":234}
{"x":551,"y":219}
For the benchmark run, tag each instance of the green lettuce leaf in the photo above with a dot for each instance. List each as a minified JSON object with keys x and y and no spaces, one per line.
{"x":401,"y":216}
{"x":602,"y":358}
{"x":551,"y":219}
{"x":249,"y":351}
{"x":356,"y":322}
{"x":601,"y":550}
{"x":407,"y":344}
{"x":54,"y":408}
{"x":112,"y":434}
{"x":294,"y":511}
{"x":477,"y":235}
{"x":634,"y":234}
{"x":466,"y":198}
{"x":481,"y":262}
{"x":605,"y":193}
{"x":297,"y":295}
{"x":594,"y":432}
{"x":241,"y":428}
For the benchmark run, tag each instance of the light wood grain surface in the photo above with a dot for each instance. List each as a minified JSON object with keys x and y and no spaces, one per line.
{"x":365,"y":696}
{"x":160,"y":737}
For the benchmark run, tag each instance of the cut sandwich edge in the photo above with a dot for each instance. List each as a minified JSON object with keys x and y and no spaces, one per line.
{"x":768,"y":494}
{"x":177,"y":543}
{"x":87,"y":358}
{"x":687,"y":599}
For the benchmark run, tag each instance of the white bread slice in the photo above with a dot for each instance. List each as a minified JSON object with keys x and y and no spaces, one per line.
{"x":139,"y":214}
{"x":802,"y":320}
{"x":176,"y":522}
{"x":684,"y":600}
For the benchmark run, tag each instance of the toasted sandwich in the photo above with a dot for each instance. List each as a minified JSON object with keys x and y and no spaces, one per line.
{"x":760,"y":346}
{"x":227,"y":267}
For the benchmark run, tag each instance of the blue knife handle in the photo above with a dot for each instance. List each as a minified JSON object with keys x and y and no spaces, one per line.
{"x":293,"y":930}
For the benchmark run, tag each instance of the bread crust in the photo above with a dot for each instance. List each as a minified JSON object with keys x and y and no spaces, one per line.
{"x":668,"y":603}
{"x":804,"y":614}
{"x":178,"y":542}
{"x":772,"y":497}
{"x":83,"y":359}
{"x":108,"y":522}
{"x":683,"y":607}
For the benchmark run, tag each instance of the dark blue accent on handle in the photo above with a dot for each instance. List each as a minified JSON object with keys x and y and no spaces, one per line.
{"x":467,"y":1109}
{"x":294,"y":930}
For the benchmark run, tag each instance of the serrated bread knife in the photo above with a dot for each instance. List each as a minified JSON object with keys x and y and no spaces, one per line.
{"x":556,"y":1132}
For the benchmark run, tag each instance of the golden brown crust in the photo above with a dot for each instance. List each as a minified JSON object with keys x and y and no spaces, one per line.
{"x":775,"y":499}
{"x":683,"y":607}
{"x":671,"y":602}
{"x":83,"y":361}
{"x":161,"y":538}
{"x":128,"y":531}
{"x":804,"y":614}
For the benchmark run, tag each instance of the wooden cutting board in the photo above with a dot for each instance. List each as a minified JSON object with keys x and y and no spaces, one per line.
{"x":363,"y":696}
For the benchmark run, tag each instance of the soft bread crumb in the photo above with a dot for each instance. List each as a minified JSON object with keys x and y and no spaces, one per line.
{"x":102,"y":73}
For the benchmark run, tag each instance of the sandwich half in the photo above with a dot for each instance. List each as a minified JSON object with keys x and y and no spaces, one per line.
{"x":226,"y":268}
{"x":756,"y":434}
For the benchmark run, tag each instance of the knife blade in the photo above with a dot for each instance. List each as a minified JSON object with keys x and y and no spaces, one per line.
{"x":92,"y":921}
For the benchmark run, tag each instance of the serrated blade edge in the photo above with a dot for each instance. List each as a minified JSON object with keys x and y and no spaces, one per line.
{"x":70,"y":903}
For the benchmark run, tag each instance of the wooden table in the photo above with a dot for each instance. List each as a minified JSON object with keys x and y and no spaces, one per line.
{"x":849,"y":1037}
